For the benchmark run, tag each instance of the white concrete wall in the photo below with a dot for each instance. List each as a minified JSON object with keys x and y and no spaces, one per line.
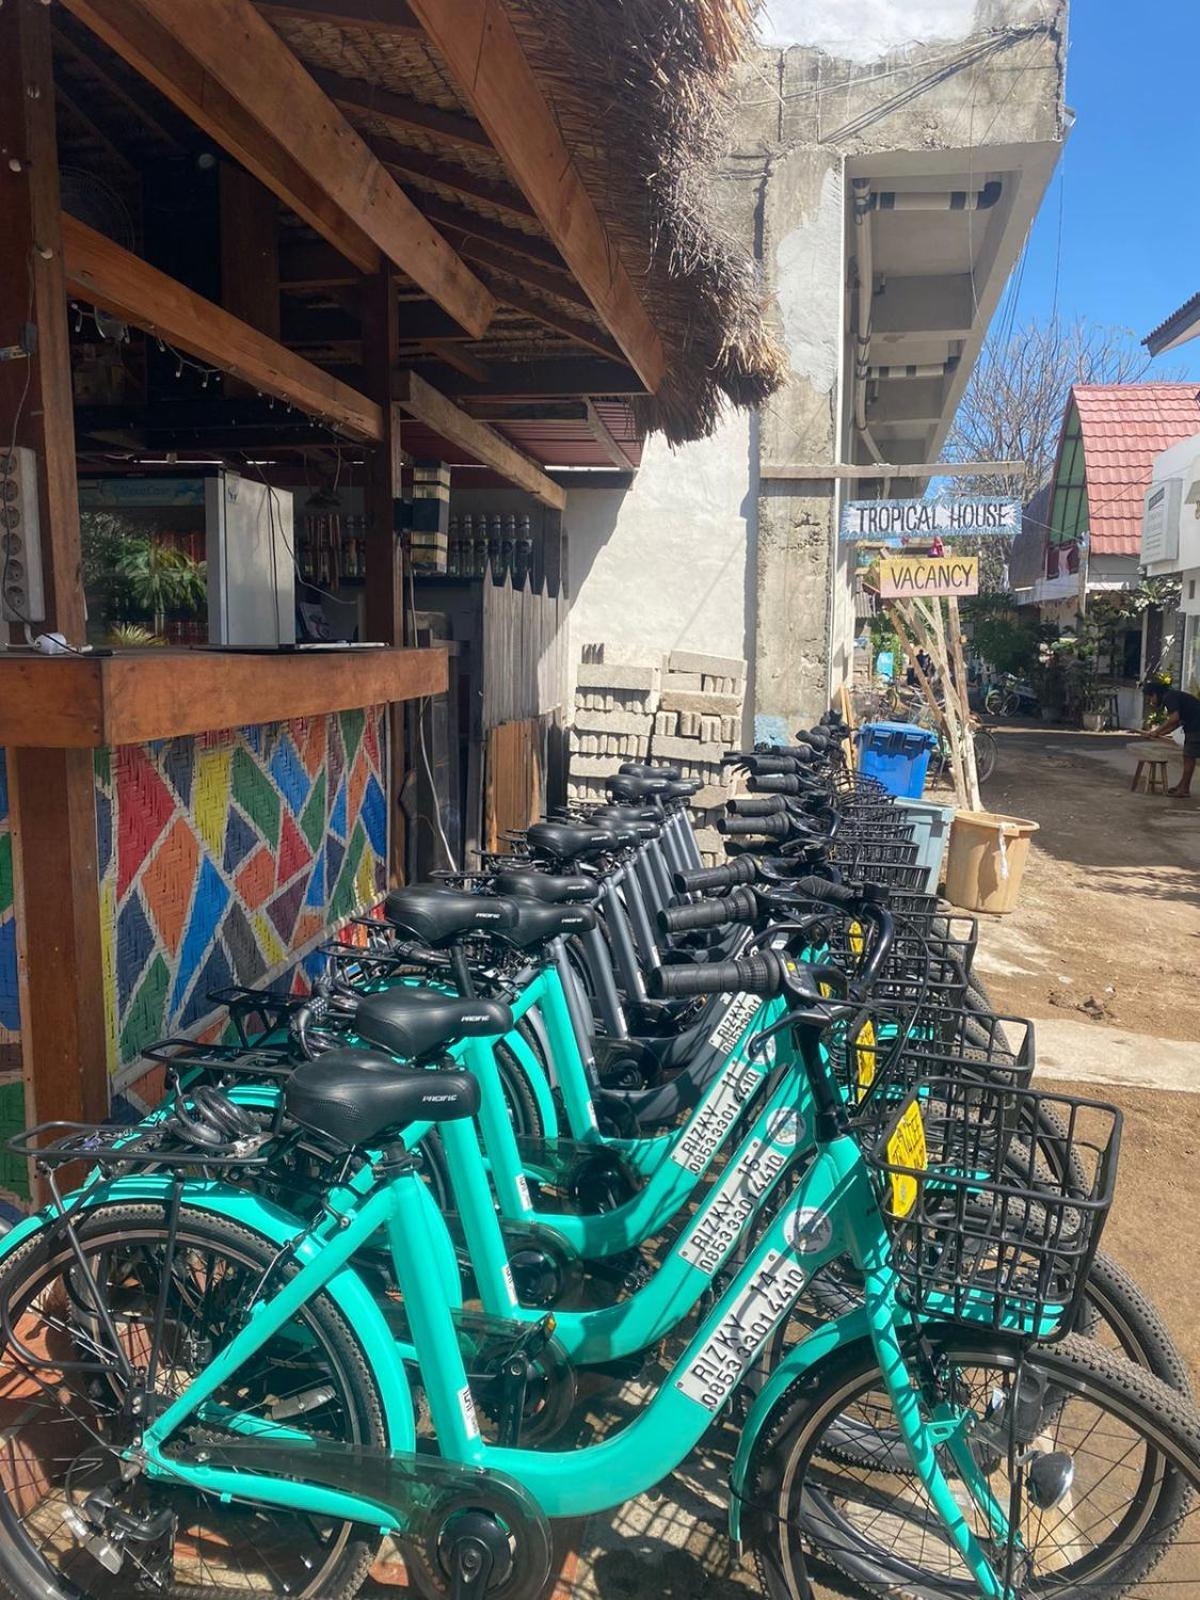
{"x":864,"y":30}
{"x":665,"y":564}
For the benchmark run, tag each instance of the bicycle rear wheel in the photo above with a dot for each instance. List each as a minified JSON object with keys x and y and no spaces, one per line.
{"x":1105,"y":1492}
{"x":985,"y":754}
{"x":74,"y":1384}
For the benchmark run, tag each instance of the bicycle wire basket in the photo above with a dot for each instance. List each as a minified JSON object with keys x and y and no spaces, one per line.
{"x":878,"y":1056}
{"x":980,"y":1233}
{"x":921,"y":968}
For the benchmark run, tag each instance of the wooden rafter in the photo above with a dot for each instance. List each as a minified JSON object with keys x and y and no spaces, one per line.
{"x":381,"y":16}
{"x":603,"y":436}
{"x":428,"y":405}
{"x":552,"y":316}
{"x":565,"y":377}
{"x":108,"y":276}
{"x":403,"y":159}
{"x":443,"y":214}
{"x":84,"y":58}
{"x":231,"y":73}
{"x":400,"y":111}
{"x":93,"y":130}
{"x":553,"y":280}
{"x":485,"y":58}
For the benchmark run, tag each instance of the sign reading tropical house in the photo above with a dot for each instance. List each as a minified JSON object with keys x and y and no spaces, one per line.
{"x":894,"y":522}
{"x":903,"y":577}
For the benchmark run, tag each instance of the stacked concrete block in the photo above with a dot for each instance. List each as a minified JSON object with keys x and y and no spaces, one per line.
{"x":699,"y":719}
{"x":615,"y":706}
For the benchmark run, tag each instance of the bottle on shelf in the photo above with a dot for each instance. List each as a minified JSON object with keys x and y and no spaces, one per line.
{"x":453,"y":549}
{"x":495,"y":538}
{"x":508,"y":547}
{"x":480,"y":547}
{"x":523,"y":555}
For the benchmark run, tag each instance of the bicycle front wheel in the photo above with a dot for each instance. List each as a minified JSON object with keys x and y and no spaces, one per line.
{"x":985,"y":754}
{"x":1103,"y":1496}
{"x":81,"y":1366}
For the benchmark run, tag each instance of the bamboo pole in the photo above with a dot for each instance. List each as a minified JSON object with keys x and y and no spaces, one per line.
{"x":927,"y":622}
{"x":901,"y":624}
{"x":960,"y":684}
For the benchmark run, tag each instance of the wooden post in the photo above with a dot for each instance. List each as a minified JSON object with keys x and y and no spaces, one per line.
{"x":960,"y":684}
{"x":53,"y":791}
{"x":249,"y":256}
{"x":384,"y":599}
{"x":932,"y":615}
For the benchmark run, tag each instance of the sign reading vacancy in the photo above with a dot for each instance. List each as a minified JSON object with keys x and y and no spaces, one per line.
{"x":902,"y":577}
{"x":894,"y":522}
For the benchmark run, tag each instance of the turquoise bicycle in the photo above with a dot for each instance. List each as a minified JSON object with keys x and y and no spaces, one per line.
{"x":203,"y":1397}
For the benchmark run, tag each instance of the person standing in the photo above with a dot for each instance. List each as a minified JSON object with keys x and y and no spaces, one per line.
{"x":1183,"y":711}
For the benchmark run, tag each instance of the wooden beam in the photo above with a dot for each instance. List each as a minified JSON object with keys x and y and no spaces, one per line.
{"x":490,"y":253}
{"x":384,"y":595}
{"x":552,"y":316}
{"x":56,"y":886}
{"x":108,"y":276}
{"x":443,"y":350}
{"x":249,"y":228}
{"x":95,"y":132}
{"x":404,"y":159}
{"x":425,"y":403}
{"x":398,"y":111}
{"x":470,"y":223}
{"x":602,"y":434}
{"x":568,"y":376}
{"x":380,"y":16}
{"x":481,"y":49}
{"x":214,"y":57}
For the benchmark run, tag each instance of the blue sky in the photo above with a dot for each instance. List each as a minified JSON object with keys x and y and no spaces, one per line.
{"x":1129,"y":181}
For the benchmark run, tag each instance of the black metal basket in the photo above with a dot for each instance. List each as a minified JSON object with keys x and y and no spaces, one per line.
{"x":878,"y":1057}
{"x":858,"y":832}
{"x":116,"y":1148}
{"x":921,"y":968}
{"x":973,"y":1238}
{"x":864,"y":866}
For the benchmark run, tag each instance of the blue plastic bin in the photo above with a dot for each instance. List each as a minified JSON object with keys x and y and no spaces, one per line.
{"x":931,"y":823}
{"x":897,"y":753}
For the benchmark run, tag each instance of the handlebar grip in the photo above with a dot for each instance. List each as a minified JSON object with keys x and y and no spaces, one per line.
{"x":763,"y":766}
{"x":754,"y":975}
{"x":776,"y":827}
{"x":703,"y":879}
{"x":748,"y":806}
{"x":832,"y":894}
{"x":774,"y":783}
{"x":740,"y":906}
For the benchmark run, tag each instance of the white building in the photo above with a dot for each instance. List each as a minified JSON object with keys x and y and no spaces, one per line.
{"x":1171,"y":543}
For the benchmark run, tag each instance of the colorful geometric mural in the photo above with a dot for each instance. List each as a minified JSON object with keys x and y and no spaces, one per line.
{"x":224,"y":857}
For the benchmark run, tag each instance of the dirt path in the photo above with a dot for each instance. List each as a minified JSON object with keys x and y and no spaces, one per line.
{"x":1108,"y":925}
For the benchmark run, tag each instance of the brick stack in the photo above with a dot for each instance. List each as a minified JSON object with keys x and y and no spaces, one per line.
{"x":614,"y":715}
{"x":686,"y":713}
{"x":699,"y":718}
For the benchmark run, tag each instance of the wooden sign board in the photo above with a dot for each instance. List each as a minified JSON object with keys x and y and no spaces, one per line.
{"x":909,"y":577}
{"x":946,"y":516}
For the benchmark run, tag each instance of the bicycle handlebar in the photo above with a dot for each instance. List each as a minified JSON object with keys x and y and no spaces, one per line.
{"x":753,"y":975}
{"x":739,"y":906}
{"x":703,"y":879}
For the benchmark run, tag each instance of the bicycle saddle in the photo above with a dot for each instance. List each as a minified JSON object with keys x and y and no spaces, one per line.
{"x":536,"y":923}
{"x":642,"y":769}
{"x":623,"y":786}
{"x":437,"y":916}
{"x":353,"y":1096}
{"x":551,"y":889}
{"x":630,"y":819}
{"x":413,"y":1022}
{"x":568,"y":841}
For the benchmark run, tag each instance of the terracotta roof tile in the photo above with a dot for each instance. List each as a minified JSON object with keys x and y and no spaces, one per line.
{"x":1125,"y":425}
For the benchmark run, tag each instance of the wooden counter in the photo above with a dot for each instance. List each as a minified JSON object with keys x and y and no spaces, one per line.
{"x":73,"y":702}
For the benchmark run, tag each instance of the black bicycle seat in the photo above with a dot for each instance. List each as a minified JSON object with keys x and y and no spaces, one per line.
{"x":630,"y":818}
{"x":354,"y":1096}
{"x":568,"y":841}
{"x":537,"y":924}
{"x":438,"y":916}
{"x":412,"y":1023}
{"x":642,"y":769}
{"x":550,"y":888}
{"x":623,"y":786}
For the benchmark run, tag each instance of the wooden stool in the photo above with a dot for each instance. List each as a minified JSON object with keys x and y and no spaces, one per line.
{"x":1156,"y":774}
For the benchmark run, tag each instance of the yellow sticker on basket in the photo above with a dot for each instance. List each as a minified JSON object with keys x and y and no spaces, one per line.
{"x":906,"y":1148}
{"x":856,"y":939}
{"x":865,"y":1058}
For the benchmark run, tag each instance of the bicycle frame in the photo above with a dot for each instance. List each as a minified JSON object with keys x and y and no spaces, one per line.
{"x":831,"y":1213}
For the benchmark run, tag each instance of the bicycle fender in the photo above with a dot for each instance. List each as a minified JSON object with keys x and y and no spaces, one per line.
{"x":824,"y":1341}
{"x":346,"y":1289}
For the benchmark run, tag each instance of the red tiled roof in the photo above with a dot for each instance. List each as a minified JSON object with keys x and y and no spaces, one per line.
{"x":1125,"y":425}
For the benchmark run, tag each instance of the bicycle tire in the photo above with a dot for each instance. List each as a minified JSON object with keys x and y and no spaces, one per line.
{"x":993,"y":702}
{"x":790,"y":1515}
{"x":29,"y":1277}
{"x":986,"y":754}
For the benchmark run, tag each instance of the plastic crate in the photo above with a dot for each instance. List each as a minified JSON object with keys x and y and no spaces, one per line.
{"x":931,"y":822}
{"x":897,"y":755}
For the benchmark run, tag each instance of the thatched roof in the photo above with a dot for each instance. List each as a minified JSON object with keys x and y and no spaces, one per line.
{"x":641,"y":91}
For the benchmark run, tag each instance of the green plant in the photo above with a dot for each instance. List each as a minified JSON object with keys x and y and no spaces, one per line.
{"x":1007,"y":645}
{"x":133,"y":636}
{"x":162,"y":578}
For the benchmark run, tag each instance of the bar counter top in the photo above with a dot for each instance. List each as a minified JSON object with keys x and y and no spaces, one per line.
{"x":134,"y":696}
